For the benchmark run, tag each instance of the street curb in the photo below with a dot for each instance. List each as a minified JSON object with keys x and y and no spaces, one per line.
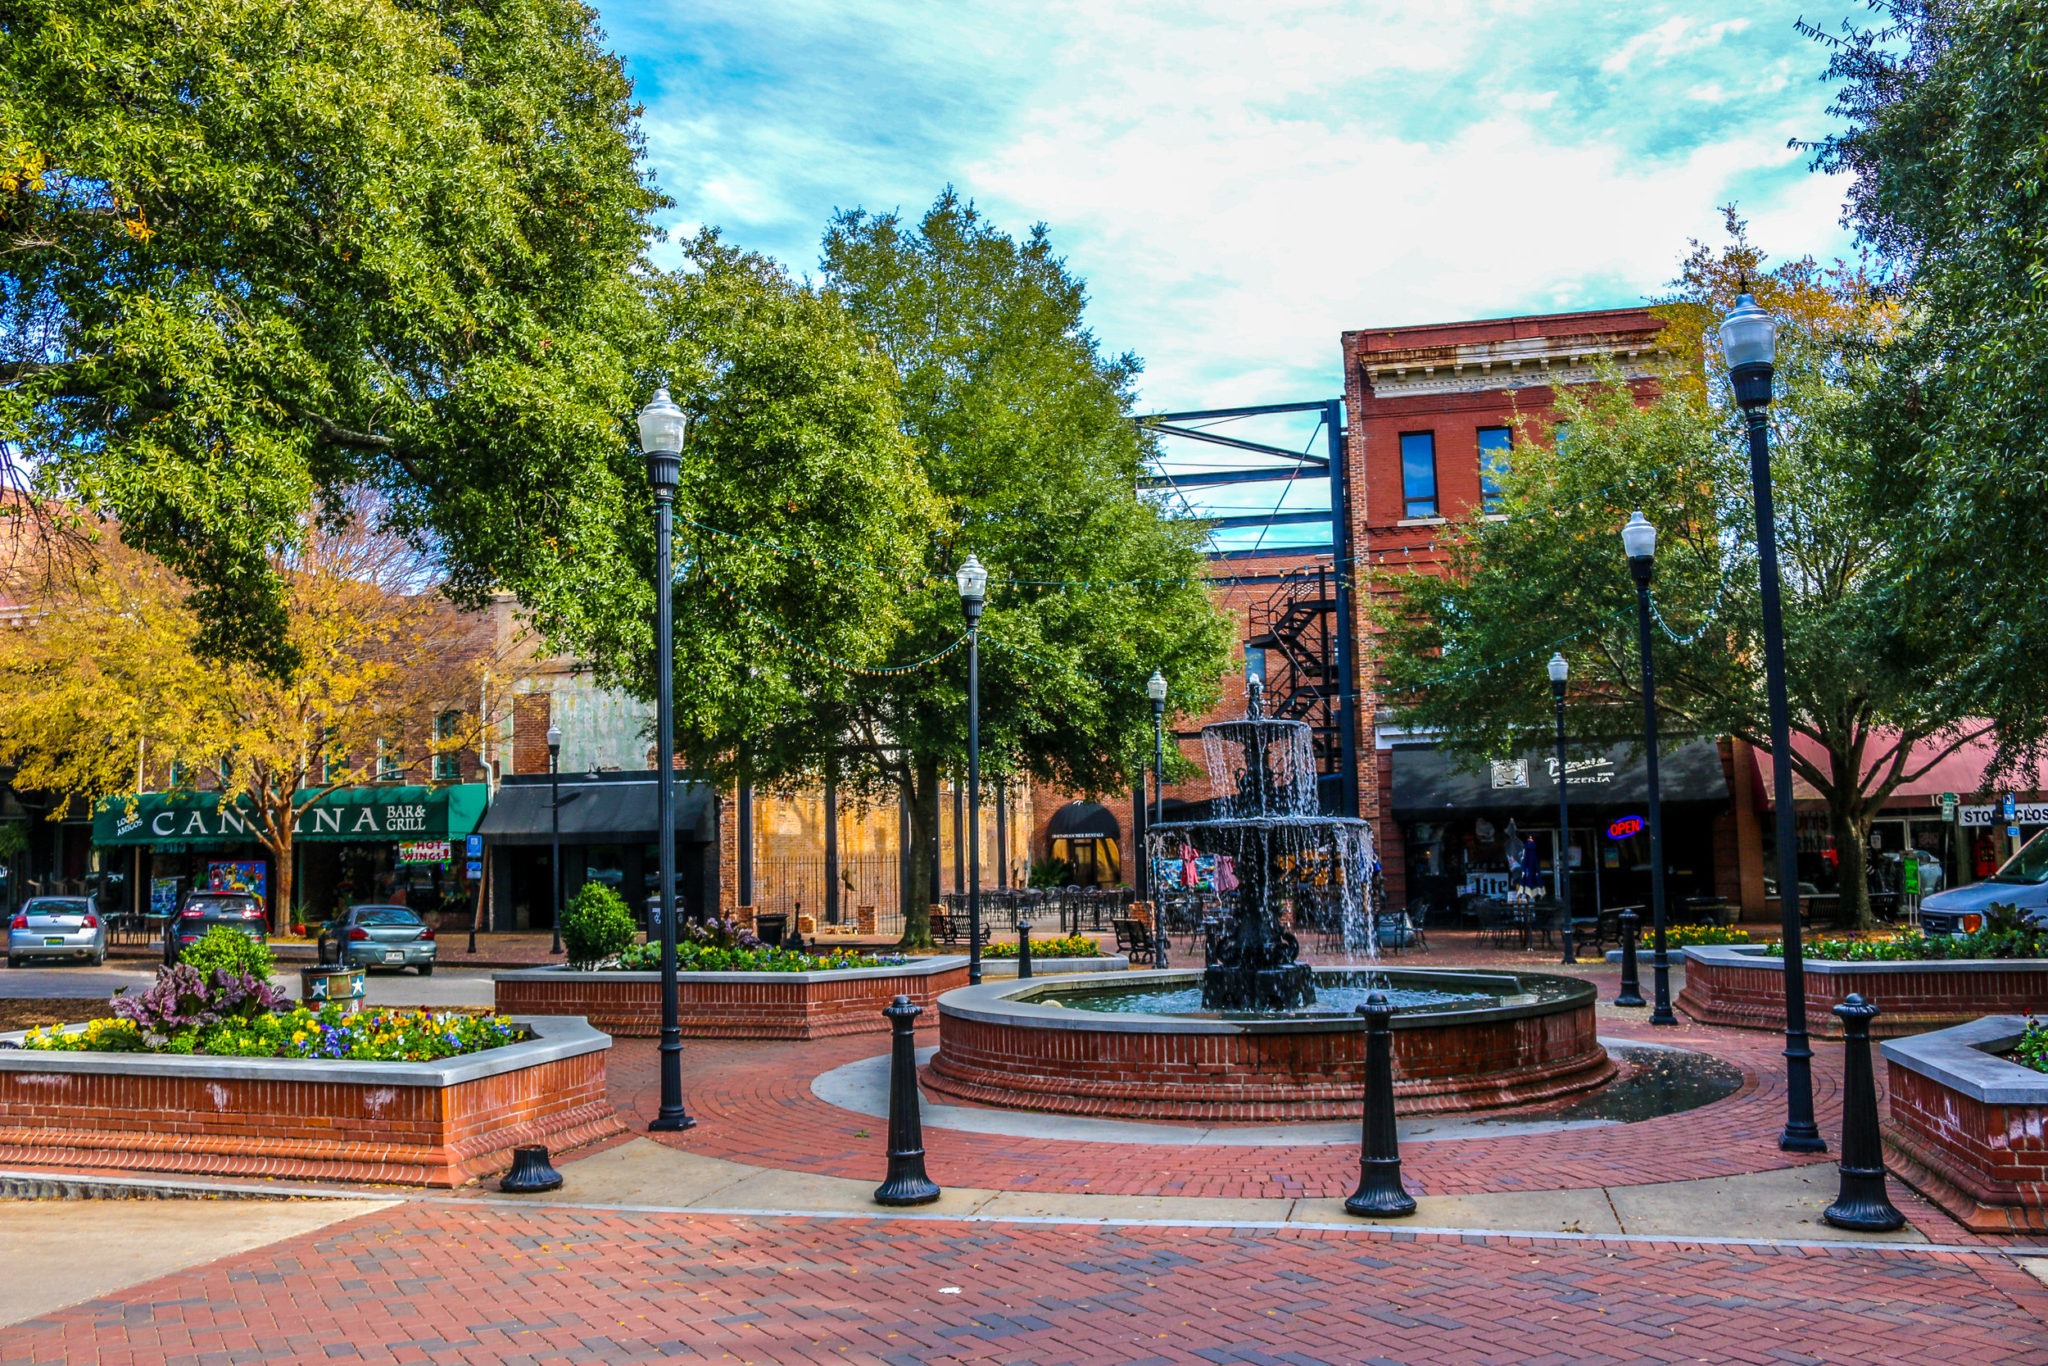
{"x":29,"y":1185}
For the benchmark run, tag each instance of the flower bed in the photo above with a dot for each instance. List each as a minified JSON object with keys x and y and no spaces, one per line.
{"x":367,"y":1036}
{"x":435,"y":1123}
{"x":779,"y":1003}
{"x":1070,"y":946}
{"x":1744,"y":986}
{"x":702,"y":957}
{"x":1968,"y":1127}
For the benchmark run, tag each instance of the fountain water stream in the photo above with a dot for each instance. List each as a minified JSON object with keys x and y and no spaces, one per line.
{"x":1273,"y":852}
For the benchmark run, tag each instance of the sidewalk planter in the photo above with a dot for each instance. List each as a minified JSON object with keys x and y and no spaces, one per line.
{"x":442,"y":1123}
{"x":1968,"y":1129}
{"x":1053,"y":967}
{"x":1739,"y":985}
{"x":732,"y":1005}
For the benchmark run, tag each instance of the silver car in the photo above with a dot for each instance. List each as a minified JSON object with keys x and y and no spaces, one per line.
{"x":57,"y":927}
{"x":379,"y":937}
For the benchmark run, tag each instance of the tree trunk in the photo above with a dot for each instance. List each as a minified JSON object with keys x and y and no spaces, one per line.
{"x":1849,"y":819}
{"x":920,"y":792}
{"x":281,"y":889}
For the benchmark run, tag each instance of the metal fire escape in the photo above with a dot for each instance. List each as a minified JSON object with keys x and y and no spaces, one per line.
{"x":1296,"y":627}
{"x":1304,"y":627}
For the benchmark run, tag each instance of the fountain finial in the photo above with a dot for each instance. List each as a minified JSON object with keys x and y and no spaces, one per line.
{"x":1254,"y":698}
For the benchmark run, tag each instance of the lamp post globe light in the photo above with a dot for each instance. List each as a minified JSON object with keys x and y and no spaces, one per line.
{"x":555,"y":829}
{"x":1560,"y":670}
{"x":973,"y":582}
{"x":662,"y":427}
{"x":1749,"y":345}
{"x":1639,"y":540}
{"x":1155,"y":688}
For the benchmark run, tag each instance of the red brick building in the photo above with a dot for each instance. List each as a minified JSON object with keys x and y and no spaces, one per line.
{"x":1434,"y":411}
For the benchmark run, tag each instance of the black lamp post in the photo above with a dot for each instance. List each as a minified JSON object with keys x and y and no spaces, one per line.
{"x":1560,"y":670}
{"x":1155,"y":688}
{"x":555,"y":828}
{"x":973,"y":581}
{"x":1639,"y":539}
{"x":662,"y":425}
{"x":1749,"y":344}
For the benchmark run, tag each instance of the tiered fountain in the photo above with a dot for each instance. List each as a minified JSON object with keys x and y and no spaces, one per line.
{"x":1281,"y":855}
{"x":1257,"y":1034}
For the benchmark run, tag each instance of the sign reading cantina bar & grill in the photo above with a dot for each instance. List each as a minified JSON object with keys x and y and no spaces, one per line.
{"x":367,"y":815}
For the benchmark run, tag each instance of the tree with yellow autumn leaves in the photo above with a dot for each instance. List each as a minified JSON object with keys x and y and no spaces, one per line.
{"x":103,"y":693}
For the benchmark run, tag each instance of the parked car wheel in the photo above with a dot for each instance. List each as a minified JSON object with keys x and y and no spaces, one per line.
{"x":426,"y":969}
{"x":99,"y":960}
{"x":13,"y":960}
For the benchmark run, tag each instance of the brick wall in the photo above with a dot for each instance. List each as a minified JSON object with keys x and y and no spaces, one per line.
{"x":804,"y":1006}
{"x":1910,"y":1002}
{"x":1985,"y":1164}
{"x":408,"y":1135}
{"x":532,"y":713}
{"x":1297,"y":1074}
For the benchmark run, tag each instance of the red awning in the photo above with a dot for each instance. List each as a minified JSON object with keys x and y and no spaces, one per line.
{"x":1963,"y":771}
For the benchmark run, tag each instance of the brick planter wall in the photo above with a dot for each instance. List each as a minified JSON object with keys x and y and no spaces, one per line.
{"x":1968,"y":1129}
{"x":1726,"y":986}
{"x":731,"y":1005}
{"x":997,"y":1051}
{"x":424,"y":1124}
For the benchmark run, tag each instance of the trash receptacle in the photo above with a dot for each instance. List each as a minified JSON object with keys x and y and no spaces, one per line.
{"x":331,"y":984}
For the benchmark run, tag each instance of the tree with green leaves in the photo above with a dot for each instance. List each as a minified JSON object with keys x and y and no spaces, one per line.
{"x":256,"y":253}
{"x":1945,"y":107}
{"x":1872,"y":692}
{"x":1023,"y":429}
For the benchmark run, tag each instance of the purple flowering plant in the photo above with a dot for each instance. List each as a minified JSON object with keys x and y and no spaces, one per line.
{"x":183,"y":1001}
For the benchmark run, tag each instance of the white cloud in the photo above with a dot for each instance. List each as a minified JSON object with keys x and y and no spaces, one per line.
{"x":1239,"y":185}
{"x":1674,"y":37}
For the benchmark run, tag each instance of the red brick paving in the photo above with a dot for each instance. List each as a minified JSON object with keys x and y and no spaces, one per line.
{"x":451,"y":1282}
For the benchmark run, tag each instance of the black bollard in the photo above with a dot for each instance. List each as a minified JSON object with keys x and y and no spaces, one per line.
{"x":1631,"y":987}
{"x":1862,"y":1203}
{"x":1023,"y":949}
{"x":1379,"y":1193}
{"x":531,"y":1172}
{"x":906,"y":1183}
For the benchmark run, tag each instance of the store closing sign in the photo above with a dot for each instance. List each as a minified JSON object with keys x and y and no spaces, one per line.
{"x":2024,"y":813}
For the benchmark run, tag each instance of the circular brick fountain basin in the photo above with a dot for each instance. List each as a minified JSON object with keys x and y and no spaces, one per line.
{"x":1015,"y":1045}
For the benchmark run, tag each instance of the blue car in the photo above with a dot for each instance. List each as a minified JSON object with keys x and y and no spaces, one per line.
{"x":2022,"y":883}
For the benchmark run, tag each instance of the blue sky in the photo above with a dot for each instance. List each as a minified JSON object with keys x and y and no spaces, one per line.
{"x":1241,"y":182}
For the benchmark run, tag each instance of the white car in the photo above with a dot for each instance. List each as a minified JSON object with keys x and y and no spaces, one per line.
{"x":57,"y":927}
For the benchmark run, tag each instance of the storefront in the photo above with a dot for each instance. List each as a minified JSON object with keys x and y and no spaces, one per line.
{"x":395,"y":844}
{"x":1084,"y":836}
{"x":606,"y":825}
{"x":1462,"y":827}
{"x":1942,"y":817}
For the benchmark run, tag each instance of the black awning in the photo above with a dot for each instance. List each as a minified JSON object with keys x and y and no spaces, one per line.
{"x":1430,"y":783}
{"x":1082,"y":820}
{"x":604,"y":812}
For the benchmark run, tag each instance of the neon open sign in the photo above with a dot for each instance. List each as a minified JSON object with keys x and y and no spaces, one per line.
{"x":1624,"y":827}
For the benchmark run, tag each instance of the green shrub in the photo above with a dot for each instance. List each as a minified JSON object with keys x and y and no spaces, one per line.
{"x":1072,"y":946}
{"x":366,"y":1036}
{"x":2032,"y":1049}
{"x":221,"y":947}
{"x":596,"y":925}
{"x":2006,"y":934}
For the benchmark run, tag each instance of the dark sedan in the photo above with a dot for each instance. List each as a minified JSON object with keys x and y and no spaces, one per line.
{"x":203,"y":911}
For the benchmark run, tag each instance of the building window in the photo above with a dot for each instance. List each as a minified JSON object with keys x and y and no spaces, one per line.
{"x":1418,"y":474}
{"x":447,"y":763}
{"x":390,"y":763}
{"x":1494,"y":445}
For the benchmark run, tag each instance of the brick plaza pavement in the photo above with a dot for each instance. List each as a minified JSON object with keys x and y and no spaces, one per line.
{"x":442,"y":1281}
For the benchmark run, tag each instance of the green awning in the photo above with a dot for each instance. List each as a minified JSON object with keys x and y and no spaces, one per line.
{"x":361,"y":815}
